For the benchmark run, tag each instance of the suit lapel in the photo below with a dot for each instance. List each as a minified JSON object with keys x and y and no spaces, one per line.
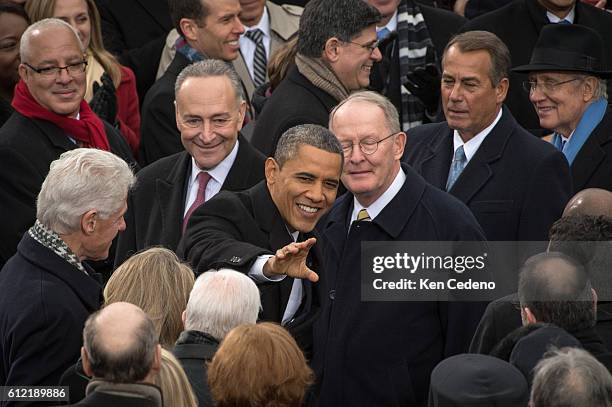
{"x":590,"y":155}
{"x":478,"y":171}
{"x":170,"y":193}
{"x":435,"y":165}
{"x":269,"y":218}
{"x":335,"y":234}
{"x":236,"y":179}
{"x":56,"y":135}
{"x":243,"y":72}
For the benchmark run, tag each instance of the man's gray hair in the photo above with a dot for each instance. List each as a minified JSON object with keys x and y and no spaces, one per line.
{"x":306,"y":134}
{"x":42,"y":25}
{"x":571,"y":377}
{"x":81,"y":180}
{"x":129,"y":365}
{"x":391,"y":116}
{"x":210,"y":68}
{"x":324,"y":19}
{"x":220,"y":301}
{"x":472,"y":41}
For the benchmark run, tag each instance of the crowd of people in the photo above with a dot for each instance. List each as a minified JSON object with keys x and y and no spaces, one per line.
{"x":191,"y":190}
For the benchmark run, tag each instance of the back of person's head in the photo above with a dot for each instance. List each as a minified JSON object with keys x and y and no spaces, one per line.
{"x":259,"y":366}
{"x":220,"y":301}
{"x":571,"y":377}
{"x":473,"y":380}
{"x":173,"y":382}
{"x":79,"y":181}
{"x":120,"y":345}
{"x":590,"y":201}
{"x":325,"y":19}
{"x":156,"y":281}
{"x":555,"y":288}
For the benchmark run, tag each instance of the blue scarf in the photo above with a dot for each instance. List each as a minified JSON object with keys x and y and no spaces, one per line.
{"x":589,"y":120}
{"x":189,"y":52}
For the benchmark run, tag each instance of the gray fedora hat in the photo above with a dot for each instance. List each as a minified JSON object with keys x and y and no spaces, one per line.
{"x":567,"y":47}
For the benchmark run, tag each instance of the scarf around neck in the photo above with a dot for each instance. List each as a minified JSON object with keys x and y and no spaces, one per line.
{"x":54,"y":242}
{"x":89,"y":129}
{"x":320,"y":75}
{"x":414,"y":45}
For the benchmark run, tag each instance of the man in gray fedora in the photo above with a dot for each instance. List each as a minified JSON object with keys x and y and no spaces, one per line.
{"x":567,"y":86}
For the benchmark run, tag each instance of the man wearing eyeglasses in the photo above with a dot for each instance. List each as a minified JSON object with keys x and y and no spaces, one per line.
{"x":382,"y":353}
{"x":336,"y":49}
{"x":567,"y":87}
{"x":515,"y":184}
{"x":50,"y":118}
{"x":210,"y":107}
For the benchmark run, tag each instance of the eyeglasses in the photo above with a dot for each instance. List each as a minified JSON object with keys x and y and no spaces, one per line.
{"x":548,"y":86}
{"x":367,"y":146}
{"x":53,"y":71}
{"x":370,"y":46}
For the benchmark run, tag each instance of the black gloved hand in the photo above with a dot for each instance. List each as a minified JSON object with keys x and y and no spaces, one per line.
{"x":424,"y":83}
{"x":104,"y":101}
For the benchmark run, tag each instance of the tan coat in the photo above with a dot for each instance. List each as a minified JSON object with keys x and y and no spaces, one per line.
{"x":284,"y":23}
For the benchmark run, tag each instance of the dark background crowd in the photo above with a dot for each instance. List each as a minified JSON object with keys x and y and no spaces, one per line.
{"x":186,"y":187}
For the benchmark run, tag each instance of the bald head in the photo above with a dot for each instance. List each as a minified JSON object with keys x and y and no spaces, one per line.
{"x":44,"y":29}
{"x":120,"y":343}
{"x":591,"y":201}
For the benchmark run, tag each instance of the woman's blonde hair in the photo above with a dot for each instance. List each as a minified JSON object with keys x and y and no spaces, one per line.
{"x":40,"y":9}
{"x":156,"y":281}
{"x":175,"y":387}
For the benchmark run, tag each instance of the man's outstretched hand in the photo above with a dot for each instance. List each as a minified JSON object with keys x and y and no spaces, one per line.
{"x":291,"y":261}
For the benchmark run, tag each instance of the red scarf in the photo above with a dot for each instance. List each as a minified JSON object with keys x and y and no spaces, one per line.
{"x":89,"y":129}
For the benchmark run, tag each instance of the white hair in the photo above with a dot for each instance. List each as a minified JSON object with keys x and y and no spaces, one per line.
{"x":220,"y":301}
{"x":81,"y":180}
{"x":39,"y":27}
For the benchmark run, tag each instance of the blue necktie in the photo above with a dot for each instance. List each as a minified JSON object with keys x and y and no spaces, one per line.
{"x":457,"y":166}
{"x":382,"y":34}
{"x":564,"y":22}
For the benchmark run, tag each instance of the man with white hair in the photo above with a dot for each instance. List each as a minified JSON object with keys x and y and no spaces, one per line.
{"x":219,"y":301}
{"x":47,"y":290}
{"x":50,"y":117}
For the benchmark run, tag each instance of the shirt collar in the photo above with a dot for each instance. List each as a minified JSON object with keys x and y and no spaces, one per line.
{"x":391,"y":25}
{"x":220,"y":171}
{"x":263,"y":24}
{"x":569,"y":17}
{"x":474,"y":143}
{"x":377,"y":206}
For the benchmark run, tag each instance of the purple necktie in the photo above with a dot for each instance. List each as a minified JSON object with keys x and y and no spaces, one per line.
{"x":202,"y":178}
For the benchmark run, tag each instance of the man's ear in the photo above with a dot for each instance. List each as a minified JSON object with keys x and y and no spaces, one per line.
{"x":156,"y":365}
{"x":88,"y":221}
{"x":241,"y":113}
{"x":331,"y":51}
{"x":528,"y":316}
{"x":23,"y":72}
{"x":501,"y":90}
{"x":271,"y":169}
{"x":399,"y":143}
{"x":85,"y":361}
{"x":189,"y":28}
{"x":590,"y":83}
{"x":183,"y":318}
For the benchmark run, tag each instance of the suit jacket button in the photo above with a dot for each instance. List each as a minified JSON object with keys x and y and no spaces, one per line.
{"x":235,"y":259}
{"x":332,"y":294}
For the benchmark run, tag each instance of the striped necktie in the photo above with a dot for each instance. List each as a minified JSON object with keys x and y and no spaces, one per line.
{"x":363,"y":216}
{"x":259,"y":58}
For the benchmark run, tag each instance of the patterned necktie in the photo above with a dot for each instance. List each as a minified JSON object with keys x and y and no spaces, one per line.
{"x":202,"y":178}
{"x":457,"y":166}
{"x":382,"y":34}
{"x":363,"y":216}
{"x":563,"y":141}
{"x":259,"y":58}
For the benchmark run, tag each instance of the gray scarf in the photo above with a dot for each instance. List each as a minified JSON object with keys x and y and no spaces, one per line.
{"x":321,"y":75}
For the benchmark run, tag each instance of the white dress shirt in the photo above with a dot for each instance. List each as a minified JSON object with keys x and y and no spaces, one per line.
{"x":217,"y":178}
{"x":378,"y":205}
{"x":474,"y":143}
{"x":569,"y":17}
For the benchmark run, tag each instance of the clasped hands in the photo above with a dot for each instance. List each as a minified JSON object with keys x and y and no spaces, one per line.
{"x":290,"y":260}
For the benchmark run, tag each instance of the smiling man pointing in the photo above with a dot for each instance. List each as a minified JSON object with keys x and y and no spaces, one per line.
{"x":267,"y":230}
